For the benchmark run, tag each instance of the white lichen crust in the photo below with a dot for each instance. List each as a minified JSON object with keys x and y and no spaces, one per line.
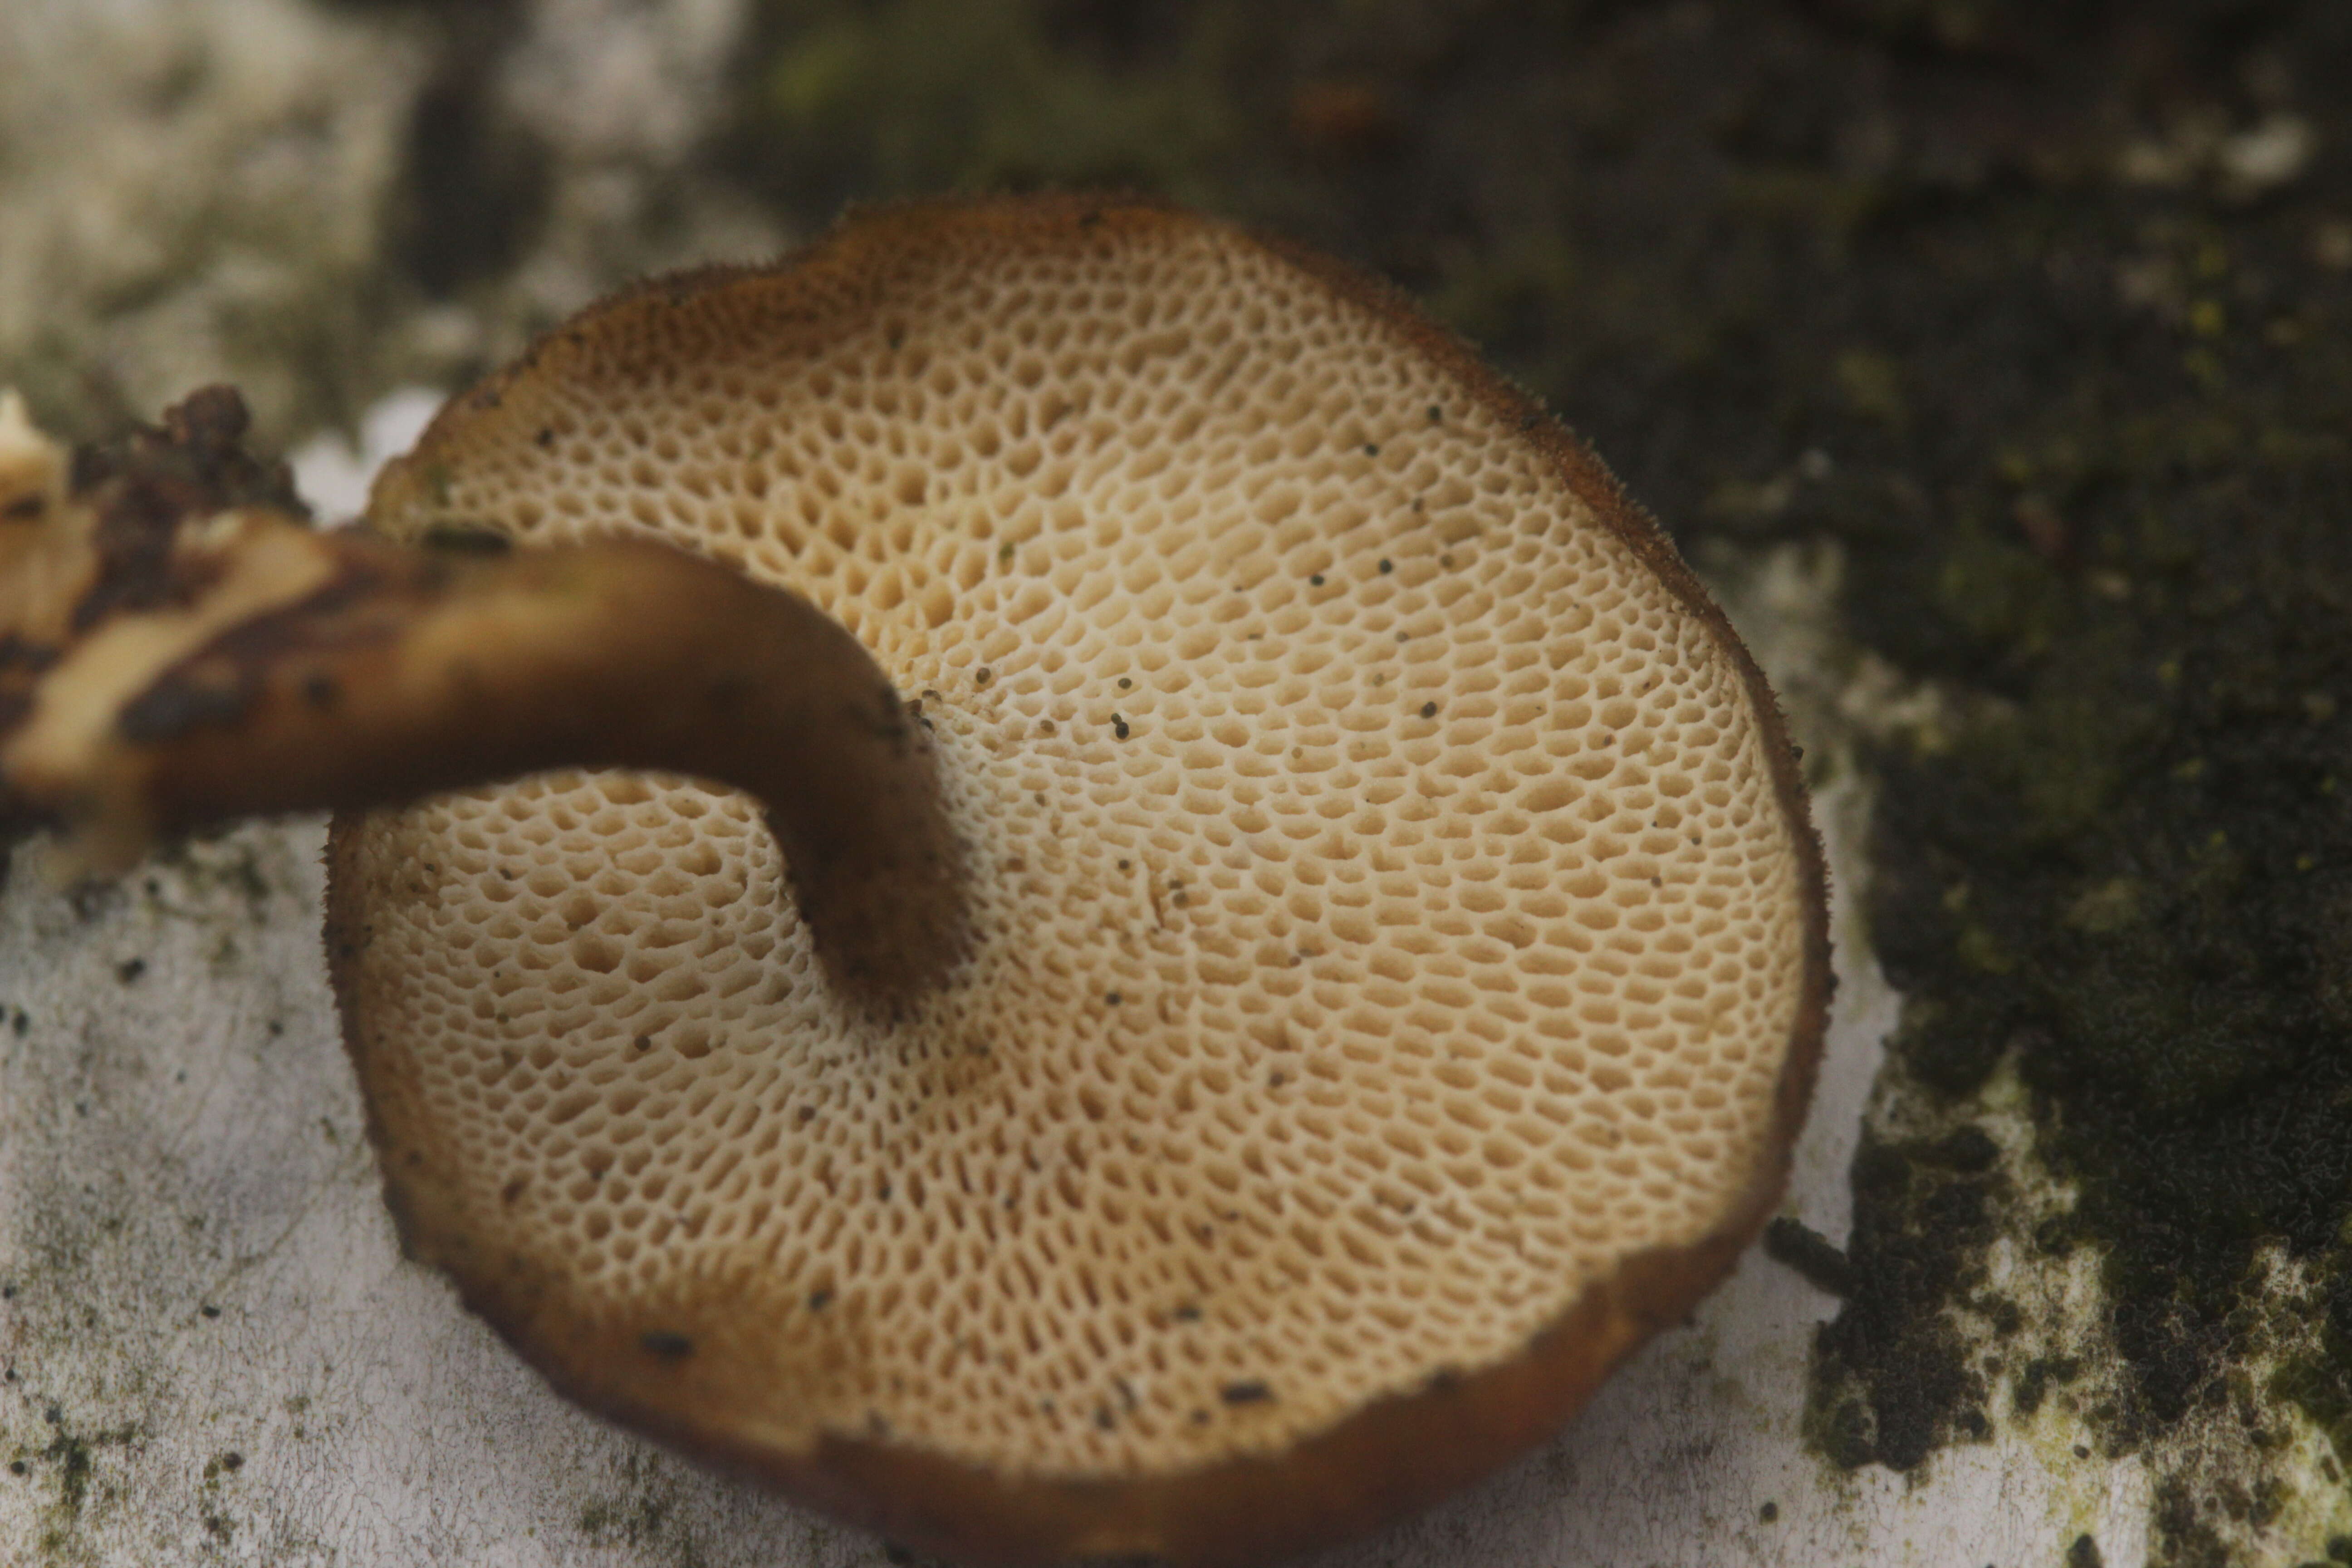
{"x":1388,"y":919}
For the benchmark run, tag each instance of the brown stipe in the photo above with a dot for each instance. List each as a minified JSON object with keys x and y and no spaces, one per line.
{"x":220,"y":660}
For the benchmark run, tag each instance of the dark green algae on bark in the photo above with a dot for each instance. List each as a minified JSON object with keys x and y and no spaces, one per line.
{"x":2043,"y":315}
{"x":2121,"y":868}
{"x":2125,"y":876}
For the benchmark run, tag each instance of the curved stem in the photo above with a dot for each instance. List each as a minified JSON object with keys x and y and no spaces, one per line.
{"x":273,"y":669}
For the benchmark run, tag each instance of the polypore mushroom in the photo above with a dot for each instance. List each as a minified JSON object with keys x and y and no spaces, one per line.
{"x":1391,"y":960}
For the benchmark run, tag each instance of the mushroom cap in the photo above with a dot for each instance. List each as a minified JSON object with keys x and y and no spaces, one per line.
{"x":1399,"y":957}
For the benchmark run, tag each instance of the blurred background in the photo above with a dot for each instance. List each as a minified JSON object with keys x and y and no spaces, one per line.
{"x":1993,"y":358}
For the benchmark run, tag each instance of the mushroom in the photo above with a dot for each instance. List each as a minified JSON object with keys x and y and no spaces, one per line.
{"x":1383,"y":956}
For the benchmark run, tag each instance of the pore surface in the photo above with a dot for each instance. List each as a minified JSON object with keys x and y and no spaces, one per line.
{"x":1386,"y":918}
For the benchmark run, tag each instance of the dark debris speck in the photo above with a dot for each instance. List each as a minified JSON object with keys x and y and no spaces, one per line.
{"x":1809,"y":1252}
